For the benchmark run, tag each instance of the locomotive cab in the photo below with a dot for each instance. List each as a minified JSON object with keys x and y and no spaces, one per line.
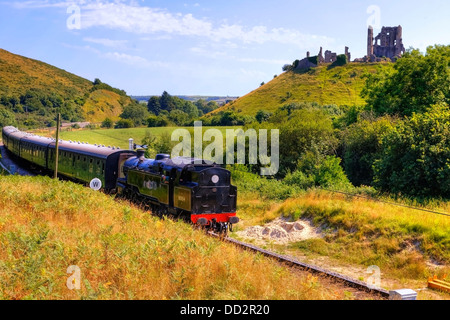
{"x":182,"y":186}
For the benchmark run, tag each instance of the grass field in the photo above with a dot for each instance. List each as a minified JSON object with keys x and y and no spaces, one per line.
{"x":46,"y":226}
{"x":120,"y":137}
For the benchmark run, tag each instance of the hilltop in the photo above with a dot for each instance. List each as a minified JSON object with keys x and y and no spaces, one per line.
{"x":324,"y":84}
{"x":33,"y":90}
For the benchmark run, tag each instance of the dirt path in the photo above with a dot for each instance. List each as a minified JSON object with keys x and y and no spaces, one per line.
{"x":281,"y":233}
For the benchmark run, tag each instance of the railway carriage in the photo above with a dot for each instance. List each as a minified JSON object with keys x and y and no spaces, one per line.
{"x":182,"y":187}
{"x":78,"y":161}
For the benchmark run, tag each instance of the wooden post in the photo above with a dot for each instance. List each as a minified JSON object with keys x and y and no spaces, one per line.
{"x":58,"y":124}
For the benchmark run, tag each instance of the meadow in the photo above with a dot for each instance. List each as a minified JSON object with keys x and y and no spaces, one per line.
{"x":120,"y":137}
{"x":123,"y":252}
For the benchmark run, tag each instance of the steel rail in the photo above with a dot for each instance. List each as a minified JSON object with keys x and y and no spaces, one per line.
{"x":307,"y":267}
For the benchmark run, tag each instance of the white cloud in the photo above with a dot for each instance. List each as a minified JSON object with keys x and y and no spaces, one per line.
{"x":107,"y":42}
{"x":131,"y":17}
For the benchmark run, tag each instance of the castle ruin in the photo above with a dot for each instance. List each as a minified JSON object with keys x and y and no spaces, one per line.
{"x":388,"y":43}
{"x":329,"y":57}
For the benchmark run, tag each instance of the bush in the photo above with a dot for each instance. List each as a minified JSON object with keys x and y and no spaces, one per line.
{"x":155,"y":122}
{"x":7,"y":118}
{"x":124,"y":124}
{"x":415,"y":157}
{"x":107,"y":123}
{"x":361,"y":147}
{"x":340,"y":61}
{"x":316,"y":171}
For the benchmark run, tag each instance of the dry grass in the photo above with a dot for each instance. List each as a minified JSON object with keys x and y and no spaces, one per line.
{"x":123,"y":252}
{"x":339,"y":86}
{"x":404,"y":241}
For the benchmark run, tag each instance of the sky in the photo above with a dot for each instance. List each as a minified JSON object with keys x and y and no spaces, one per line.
{"x":214,"y":47}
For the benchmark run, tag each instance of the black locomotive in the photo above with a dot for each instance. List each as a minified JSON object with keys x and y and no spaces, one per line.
{"x":181,"y":187}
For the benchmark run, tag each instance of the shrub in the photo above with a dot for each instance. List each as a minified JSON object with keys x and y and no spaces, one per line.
{"x":124,"y":124}
{"x":415,"y":157}
{"x":107,"y":123}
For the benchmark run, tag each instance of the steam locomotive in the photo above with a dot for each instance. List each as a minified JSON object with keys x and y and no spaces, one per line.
{"x":181,"y":187}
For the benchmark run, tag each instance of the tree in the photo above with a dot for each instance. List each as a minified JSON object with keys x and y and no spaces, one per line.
{"x":416,"y":83}
{"x":154,"y":106}
{"x":362,"y":146}
{"x":136,"y":113}
{"x":415,"y":157}
{"x":262,"y":116}
{"x":340,"y":60}
{"x":167,"y":102}
{"x":124,"y":124}
{"x":303,"y":130}
{"x":7,"y":118}
{"x":107,"y":123}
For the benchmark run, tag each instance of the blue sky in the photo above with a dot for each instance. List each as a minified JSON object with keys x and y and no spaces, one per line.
{"x":204,"y":47}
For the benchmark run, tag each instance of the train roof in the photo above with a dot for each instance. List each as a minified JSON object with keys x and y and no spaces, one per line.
{"x":42,"y":141}
{"x":99,"y":151}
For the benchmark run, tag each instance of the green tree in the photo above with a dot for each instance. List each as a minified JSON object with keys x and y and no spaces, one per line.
{"x":262,"y":116}
{"x":362,"y":146}
{"x":7,"y":118}
{"x":154,"y":106}
{"x":415,"y":157}
{"x":107,"y":123}
{"x":305,"y":130}
{"x":416,"y":83}
{"x":135,"y":112}
{"x":124,"y":124}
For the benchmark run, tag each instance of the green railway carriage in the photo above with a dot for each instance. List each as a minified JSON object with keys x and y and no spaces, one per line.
{"x":78,"y":161}
{"x":84,"y":162}
{"x":34,"y":149}
{"x":11,"y":139}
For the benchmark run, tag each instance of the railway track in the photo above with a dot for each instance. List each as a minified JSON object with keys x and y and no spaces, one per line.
{"x":289,"y":261}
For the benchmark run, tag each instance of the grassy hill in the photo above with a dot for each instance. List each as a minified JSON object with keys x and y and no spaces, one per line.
{"x":19,"y":74}
{"x":33,"y":89}
{"x":324,"y":85}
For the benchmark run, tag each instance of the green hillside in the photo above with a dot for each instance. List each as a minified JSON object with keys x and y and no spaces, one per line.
{"x":31,"y":92}
{"x":324,"y":85}
{"x":19,"y":74}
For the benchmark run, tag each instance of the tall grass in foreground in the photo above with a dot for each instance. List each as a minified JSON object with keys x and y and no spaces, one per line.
{"x":373,"y":233}
{"x":123,"y":252}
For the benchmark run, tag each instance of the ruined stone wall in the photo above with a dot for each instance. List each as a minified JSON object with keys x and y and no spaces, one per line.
{"x":388,"y":43}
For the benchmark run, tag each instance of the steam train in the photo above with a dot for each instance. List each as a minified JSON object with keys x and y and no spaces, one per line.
{"x":181,"y":187}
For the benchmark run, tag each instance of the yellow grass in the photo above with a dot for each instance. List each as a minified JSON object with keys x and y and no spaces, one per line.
{"x":400,"y":239}
{"x":324,"y":85}
{"x":123,"y":252}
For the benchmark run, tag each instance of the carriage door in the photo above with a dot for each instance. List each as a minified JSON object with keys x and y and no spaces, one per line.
{"x":122,"y":158}
{"x":172,"y":178}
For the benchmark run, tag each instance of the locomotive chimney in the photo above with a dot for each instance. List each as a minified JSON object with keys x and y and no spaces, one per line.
{"x":141,"y":154}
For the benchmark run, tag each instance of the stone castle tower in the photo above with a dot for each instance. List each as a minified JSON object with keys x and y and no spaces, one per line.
{"x":389,"y":43}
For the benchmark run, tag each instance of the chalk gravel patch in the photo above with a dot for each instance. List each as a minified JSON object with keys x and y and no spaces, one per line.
{"x":281,"y":232}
